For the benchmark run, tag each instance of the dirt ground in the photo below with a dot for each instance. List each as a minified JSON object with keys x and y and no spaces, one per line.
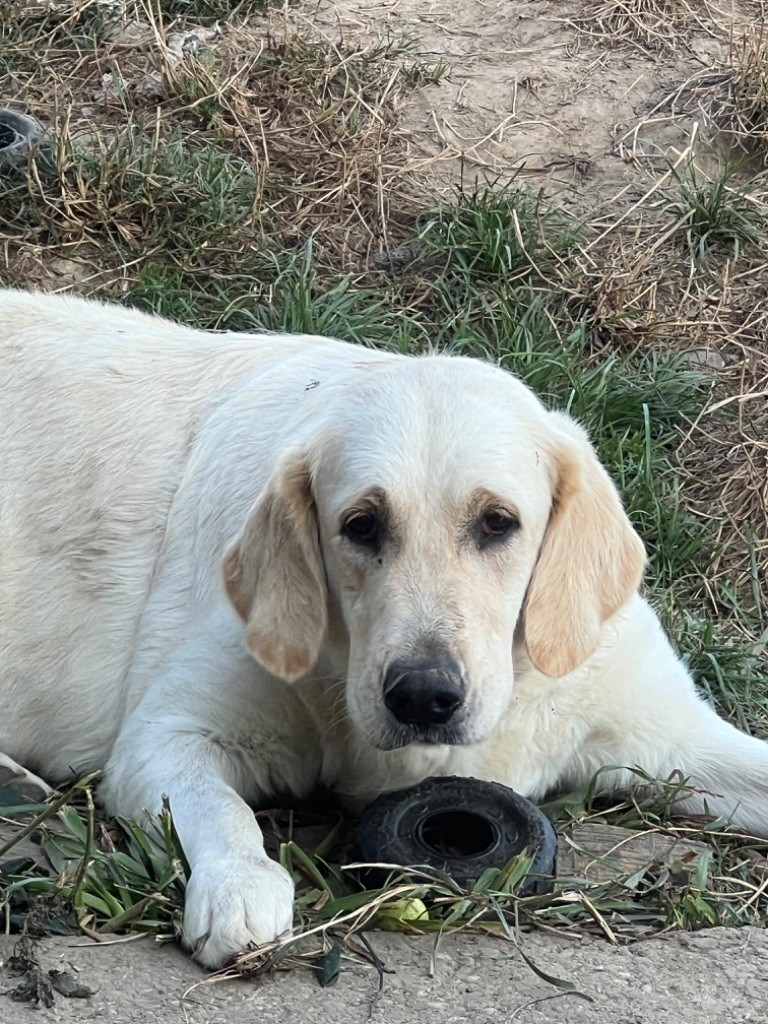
{"x":719,"y":976}
{"x":549,"y":85}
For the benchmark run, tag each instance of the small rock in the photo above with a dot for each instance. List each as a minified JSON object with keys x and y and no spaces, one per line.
{"x":707,"y":357}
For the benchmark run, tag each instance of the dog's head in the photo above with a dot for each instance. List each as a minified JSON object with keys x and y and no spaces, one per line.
{"x":439,"y":511}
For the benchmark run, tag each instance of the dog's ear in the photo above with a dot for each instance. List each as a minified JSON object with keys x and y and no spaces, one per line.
{"x":590,"y":562}
{"x":274,"y":574}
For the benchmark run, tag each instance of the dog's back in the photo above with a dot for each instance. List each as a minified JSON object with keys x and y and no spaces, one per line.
{"x":99,"y":407}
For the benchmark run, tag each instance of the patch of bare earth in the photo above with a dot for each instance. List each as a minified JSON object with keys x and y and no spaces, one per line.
{"x":711,"y":977}
{"x":604,"y":106}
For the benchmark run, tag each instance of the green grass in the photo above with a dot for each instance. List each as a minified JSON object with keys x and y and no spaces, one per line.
{"x":97,"y":876}
{"x":723,"y":210}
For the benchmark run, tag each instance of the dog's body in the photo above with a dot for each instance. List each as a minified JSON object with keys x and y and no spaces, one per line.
{"x":133,"y":451}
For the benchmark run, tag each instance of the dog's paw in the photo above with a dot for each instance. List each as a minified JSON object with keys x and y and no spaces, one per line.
{"x":233,"y":904}
{"x":25,"y":783}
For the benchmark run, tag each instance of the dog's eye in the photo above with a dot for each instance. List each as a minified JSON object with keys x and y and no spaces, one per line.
{"x":495,"y":525}
{"x":363,"y":529}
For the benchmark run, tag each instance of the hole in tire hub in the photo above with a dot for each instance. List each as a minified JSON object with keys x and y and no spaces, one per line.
{"x":456,"y":834}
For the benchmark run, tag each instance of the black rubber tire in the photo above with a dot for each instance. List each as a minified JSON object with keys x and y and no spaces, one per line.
{"x":18,"y":134}
{"x":460,"y":826}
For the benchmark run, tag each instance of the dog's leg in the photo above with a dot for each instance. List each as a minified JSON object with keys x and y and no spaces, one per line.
{"x":731,"y":771}
{"x":22,"y":781}
{"x":726,"y":769}
{"x":236,"y":895}
{"x":643,"y":711}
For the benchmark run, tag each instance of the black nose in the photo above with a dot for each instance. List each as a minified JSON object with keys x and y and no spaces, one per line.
{"x":423,"y":695}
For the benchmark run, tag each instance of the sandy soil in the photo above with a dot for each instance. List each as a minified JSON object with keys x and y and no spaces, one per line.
{"x":549,"y":85}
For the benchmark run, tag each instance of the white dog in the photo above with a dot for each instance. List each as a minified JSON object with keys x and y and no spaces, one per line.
{"x":427,"y":572}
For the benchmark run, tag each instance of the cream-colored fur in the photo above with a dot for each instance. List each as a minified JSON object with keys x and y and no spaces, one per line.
{"x":149,"y":472}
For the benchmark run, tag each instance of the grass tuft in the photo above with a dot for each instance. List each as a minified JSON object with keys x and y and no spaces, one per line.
{"x":720,"y":210}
